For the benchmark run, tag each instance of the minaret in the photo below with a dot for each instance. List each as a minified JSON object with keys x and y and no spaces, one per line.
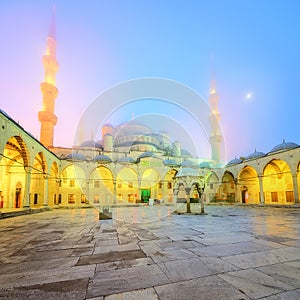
{"x":214,"y":119}
{"x":46,"y":116}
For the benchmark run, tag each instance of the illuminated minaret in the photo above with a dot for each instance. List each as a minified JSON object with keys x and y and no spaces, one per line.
{"x":46,"y":116}
{"x":214,"y":119}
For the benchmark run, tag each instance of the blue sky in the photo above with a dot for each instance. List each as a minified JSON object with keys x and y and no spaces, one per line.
{"x":255,"y":45}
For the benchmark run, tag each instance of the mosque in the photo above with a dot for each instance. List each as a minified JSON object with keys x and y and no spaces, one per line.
{"x":131,"y":164}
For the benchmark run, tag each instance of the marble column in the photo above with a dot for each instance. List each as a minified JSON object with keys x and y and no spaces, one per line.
{"x":26,"y":202}
{"x":46,"y":190}
{"x":296,"y":188}
{"x":261,"y":189}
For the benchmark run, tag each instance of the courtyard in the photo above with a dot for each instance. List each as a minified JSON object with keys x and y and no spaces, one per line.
{"x":147,"y":253}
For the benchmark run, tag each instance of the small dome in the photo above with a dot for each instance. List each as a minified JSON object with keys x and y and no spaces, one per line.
{"x":75,"y":156}
{"x":187,"y":172}
{"x":170,"y":162}
{"x":126,"y":160}
{"x":284,"y":146}
{"x":91,"y":144}
{"x":234,"y":162}
{"x":185,"y":152}
{"x":147,"y":154}
{"x":255,"y":154}
{"x":205,"y":165}
{"x":102,"y":159}
{"x":188,"y":164}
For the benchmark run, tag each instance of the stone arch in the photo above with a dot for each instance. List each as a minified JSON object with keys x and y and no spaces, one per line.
{"x":248,"y":185}
{"x":212,"y":184}
{"x":73,"y":184}
{"x":150,"y":180}
{"x":278,"y":183}
{"x":127,"y":186}
{"x":53,"y":182}
{"x":101,"y":186}
{"x":14,"y":160}
{"x":167,"y":186}
{"x":227,"y":189}
{"x":38,"y":177}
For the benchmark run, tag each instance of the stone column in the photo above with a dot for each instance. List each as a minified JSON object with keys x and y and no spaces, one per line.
{"x":188,"y":204}
{"x":175,"y":193}
{"x":261,"y":189}
{"x":115,"y":192}
{"x":296,"y":188}
{"x":46,"y":189}
{"x":26,"y":202}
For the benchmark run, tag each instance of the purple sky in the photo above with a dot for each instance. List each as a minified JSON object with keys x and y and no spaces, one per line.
{"x":255,"y":45}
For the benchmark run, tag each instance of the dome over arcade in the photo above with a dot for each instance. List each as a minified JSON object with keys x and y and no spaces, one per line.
{"x":147,"y":154}
{"x":75,"y":156}
{"x":187,"y":172}
{"x":284,"y":146}
{"x":255,"y":155}
{"x":102,"y":159}
{"x":205,"y":165}
{"x":188,"y":164}
{"x":91,"y":144}
{"x":170,"y":162}
{"x":234,"y":161}
{"x":185,"y":152}
{"x":126,"y":160}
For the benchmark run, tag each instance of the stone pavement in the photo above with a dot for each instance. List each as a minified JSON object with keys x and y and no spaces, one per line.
{"x":147,"y":253}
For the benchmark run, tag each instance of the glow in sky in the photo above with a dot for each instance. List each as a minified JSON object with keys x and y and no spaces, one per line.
{"x":255,"y":46}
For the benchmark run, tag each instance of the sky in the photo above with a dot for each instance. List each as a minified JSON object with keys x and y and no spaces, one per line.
{"x":255,"y":47}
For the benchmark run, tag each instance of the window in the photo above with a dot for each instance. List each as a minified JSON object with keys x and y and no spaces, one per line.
{"x":54,"y":199}
{"x":211,"y":185}
{"x":71,"y":198}
{"x":96,"y":198}
{"x":289,"y":196}
{"x":169,"y":185}
{"x":274,"y":196}
{"x":130,"y":198}
{"x":130,"y":184}
{"x":72,"y":183}
{"x":59,"y":198}
{"x":160,"y":184}
{"x":35,"y":199}
{"x":83,"y":198}
{"x":119,"y":184}
{"x":96,"y":184}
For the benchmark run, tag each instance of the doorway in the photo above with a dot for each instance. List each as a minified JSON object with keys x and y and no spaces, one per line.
{"x":145,"y":195}
{"x":18,"y":195}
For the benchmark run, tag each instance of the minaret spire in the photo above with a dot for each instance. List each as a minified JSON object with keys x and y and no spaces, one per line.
{"x":48,"y":87}
{"x":214,"y":119}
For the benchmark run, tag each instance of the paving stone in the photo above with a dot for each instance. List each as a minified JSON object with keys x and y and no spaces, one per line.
{"x":143,"y":294}
{"x":205,"y":288}
{"x":110,"y":256}
{"x":289,"y":274}
{"x":123,"y":264}
{"x":290,"y":295}
{"x":255,"y":284}
{"x":75,"y":289}
{"x":258,"y":259}
{"x":42,"y":277}
{"x":107,"y":249}
{"x":124,"y":280}
{"x":30,"y":266}
{"x":230,"y":249}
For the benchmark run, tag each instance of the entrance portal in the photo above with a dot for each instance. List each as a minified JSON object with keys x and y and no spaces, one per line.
{"x":18,"y":195}
{"x":145,"y":195}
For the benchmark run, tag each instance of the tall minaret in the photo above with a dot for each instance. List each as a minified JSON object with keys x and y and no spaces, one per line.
{"x":46,"y":116}
{"x":214,"y":119}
